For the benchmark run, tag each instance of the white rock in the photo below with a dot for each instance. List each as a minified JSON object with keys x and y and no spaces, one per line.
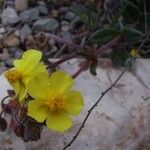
{"x":120,"y":121}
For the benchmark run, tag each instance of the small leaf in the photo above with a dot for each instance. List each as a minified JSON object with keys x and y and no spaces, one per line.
{"x":29,"y":130}
{"x":132,"y":35}
{"x":119,"y":57}
{"x":103,"y":35}
{"x":32,"y":130}
{"x":17,"y":128}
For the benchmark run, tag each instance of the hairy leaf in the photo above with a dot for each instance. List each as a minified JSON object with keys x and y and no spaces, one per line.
{"x":32,"y":130}
{"x":102,"y":36}
{"x":119,"y":57}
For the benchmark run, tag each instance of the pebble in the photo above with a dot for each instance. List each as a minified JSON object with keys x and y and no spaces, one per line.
{"x":63,"y":10}
{"x":54,"y":13}
{"x":1,"y":37}
{"x":9,"y":62}
{"x":45,"y":25}
{"x":9,"y":16}
{"x":2,"y":30}
{"x":29,"y":14}
{"x":5,"y":55}
{"x":11,"y":41}
{"x":65,"y":26}
{"x":2,"y":68}
{"x":12,"y":50}
{"x":24,"y":32}
{"x":17,"y":33}
{"x":43,"y":9}
{"x":21,"y":5}
{"x":70,"y":16}
{"x":15,"y":52}
{"x":18,"y":54}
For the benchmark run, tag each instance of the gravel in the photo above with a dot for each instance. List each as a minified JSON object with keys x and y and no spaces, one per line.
{"x":9,"y":16}
{"x":45,"y":25}
{"x":25,"y":32}
{"x":29,"y":14}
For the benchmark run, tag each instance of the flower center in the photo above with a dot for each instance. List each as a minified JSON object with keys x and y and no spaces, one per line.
{"x":55,"y":102}
{"x":12,"y":75}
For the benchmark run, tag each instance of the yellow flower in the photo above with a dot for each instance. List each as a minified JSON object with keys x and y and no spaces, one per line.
{"x":54,"y":101}
{"x":23,"y":71}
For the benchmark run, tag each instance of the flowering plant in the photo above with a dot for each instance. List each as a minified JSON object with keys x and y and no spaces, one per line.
{"x":39,"y":98}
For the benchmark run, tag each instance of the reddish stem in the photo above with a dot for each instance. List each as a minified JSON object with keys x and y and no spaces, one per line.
{"x":83,"y":68}
{"x":110,"y":44}
{"x":63,"y":41}
{"x":81,"y":34}
{"x":68,"y":57}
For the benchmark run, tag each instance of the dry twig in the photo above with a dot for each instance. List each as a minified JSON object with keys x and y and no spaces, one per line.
{"x":96,"y":103}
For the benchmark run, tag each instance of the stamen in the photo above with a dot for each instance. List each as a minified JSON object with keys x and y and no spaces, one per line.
{"x":12,"y":75}
{"x":55,"y":102}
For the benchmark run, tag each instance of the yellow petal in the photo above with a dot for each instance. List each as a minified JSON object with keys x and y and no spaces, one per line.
{"x":37,"y":110}
{"x":16,"y":86}
{"x":58,"y":121}
{"x":24,"y":66}
{"x":28,"y":61}
{"x":60,"y":81}
{"x":22,"y":92}
{"x":39,"y":68}
{"x":39,"y":86}
{"x":20,"y":65}
{"x":32,"y":55}
{"x":19,"y":89}
{"x":74,"y":102}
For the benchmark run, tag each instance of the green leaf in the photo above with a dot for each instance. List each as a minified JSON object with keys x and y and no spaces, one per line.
{"x":132,"y":34}
{"x":119,"y":57}
{"x":103,"y":36}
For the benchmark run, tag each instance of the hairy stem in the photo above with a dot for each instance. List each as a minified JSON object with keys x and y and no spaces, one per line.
{"x":68,"y":57}
{"x":83,"y":68}
{"x":62,"y":40}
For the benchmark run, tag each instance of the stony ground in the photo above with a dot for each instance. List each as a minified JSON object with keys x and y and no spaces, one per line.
{"x":54,"y":27}
{"x":22,"y":23}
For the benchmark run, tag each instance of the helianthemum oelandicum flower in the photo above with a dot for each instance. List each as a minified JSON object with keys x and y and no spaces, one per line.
{"x":54,"y":101}
{"x":23,"y":71}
